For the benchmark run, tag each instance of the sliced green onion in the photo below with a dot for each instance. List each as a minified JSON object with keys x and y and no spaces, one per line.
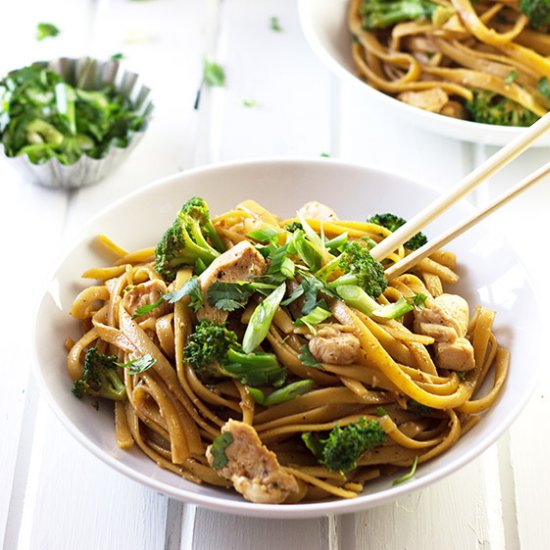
{"x":318,"y":315}
{"x":282,"y":395}
{"x":261,"y":319}
{"x":265,"y":234}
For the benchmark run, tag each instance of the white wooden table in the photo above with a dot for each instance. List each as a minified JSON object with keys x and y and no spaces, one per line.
{"x":53,"y":494}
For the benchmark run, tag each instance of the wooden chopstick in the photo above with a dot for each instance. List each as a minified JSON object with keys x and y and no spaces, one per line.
{"x":409,"y":261}
{"x":492,"y":165}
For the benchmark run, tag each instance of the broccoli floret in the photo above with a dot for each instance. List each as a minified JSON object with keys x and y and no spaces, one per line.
{"x":392,"y":223}
{"x":538,"y":12}
{"x":184,"y":243}
{"x":490,"y":108}
{"x":356,"y":297}
{"x":100,"y":377}
{"x":214,"y":352}
{"x":342,"y":447}
{"x":358,"y":267}
{"x":197,"y":208}
{"x":381,"y":14}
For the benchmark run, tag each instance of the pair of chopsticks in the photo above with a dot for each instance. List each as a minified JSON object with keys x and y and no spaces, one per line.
{"x":492,"y":165}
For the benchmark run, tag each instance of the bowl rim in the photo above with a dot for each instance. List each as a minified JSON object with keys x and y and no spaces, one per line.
{"x":464,"y":126}
{"x":243,"y":507}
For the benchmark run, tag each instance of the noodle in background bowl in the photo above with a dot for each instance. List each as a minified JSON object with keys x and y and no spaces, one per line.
{"x":324,"y":23}
{"x":491,"y":275}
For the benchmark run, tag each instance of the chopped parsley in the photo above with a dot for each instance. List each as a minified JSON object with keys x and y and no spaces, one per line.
{"x":139,"y":365}
{"x":306,"y":357}
{"x":213,"y":73}
{"x":217,"y":449}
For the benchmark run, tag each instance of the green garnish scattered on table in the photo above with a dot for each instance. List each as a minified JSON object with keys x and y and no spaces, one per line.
{"x":44,"y":117}
{"x":46,"y":30}
{"x":213,"y":73}
{"x":275,"y":25}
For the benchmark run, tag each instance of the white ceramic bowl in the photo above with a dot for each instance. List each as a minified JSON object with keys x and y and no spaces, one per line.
{"x":324,"y":23}
{"x":491,"y":275}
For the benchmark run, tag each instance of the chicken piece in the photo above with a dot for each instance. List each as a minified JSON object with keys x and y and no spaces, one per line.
{"x":240,"y":263}
{"x":446,"y":320}
{"x":459,"y":355}
{"x":430,"y":100}
{"x":317,"y":211}
{"x":252,"y":468}
{"x":449,"y":311}
{"x":334,"y":346}
{"x":145,"y":294}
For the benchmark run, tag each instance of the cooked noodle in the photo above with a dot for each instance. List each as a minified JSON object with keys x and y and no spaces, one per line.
{"x":172,"y":416}
{"x":438,"y":64}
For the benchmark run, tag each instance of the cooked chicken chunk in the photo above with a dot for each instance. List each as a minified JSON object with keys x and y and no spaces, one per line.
{"x":240,"y":263}
{"x":446,"y":320}
{"x":144,"y":294}
{"x":449,"y":311}
{"x":252,"y":468}
{"x":333,"y":346}
{"x":430,"y":100}
{"x":317,"y":211}
{"x":458,"y":355}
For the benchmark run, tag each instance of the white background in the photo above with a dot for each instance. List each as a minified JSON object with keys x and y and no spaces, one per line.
{"x":53,"y":494}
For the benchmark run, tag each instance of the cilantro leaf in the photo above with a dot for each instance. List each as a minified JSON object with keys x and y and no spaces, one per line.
{"x":217,"y":449}
{"x":139,"y":365}
{"x":306,"y":357}
{"x":311,"y":287}
{"x":229,"y":296}
{"x":191,"y":288}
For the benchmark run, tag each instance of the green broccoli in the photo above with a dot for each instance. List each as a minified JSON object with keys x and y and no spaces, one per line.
{"x":185,"y":243}
{"x":381,"y":14}
{"x":538,"y":12}
{"x":197,"y":208}
{"x":358,"y":268}
{"x":356,"y":297}
{"x":100,"y":377}
{"x":490,"y":108}
{"x":392,"y":223}
{"x":213,"y":351}
{"x":342,"y":447}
